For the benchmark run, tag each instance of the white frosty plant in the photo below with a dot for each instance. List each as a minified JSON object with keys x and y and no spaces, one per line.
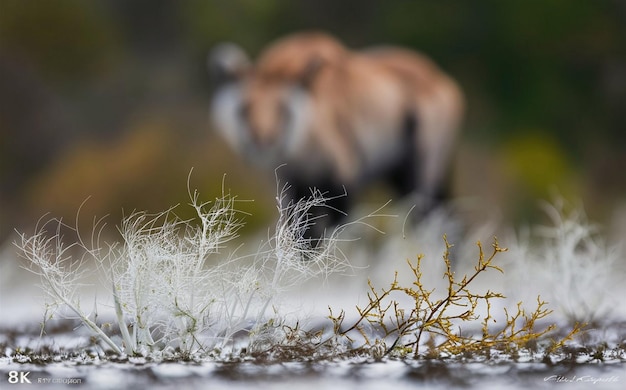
{"x":169,"y":288}
{"x":570,"y":262}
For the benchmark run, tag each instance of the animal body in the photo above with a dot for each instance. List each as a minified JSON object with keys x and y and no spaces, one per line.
{"x":337,"y":119}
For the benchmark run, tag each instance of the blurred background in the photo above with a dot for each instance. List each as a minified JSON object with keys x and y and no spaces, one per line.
{"x":108,"y":100}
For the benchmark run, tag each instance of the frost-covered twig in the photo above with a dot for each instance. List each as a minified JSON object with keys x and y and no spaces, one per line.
{"x":570,"y":263}
{"x":163,"y":276}
{"x":287,"y":259}
{"x":169,"y":289}
{"x":61,"y":276}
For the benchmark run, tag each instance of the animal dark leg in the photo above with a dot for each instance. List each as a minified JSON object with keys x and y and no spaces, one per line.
{"x":323,"y":215}
{"x":406,"y":177}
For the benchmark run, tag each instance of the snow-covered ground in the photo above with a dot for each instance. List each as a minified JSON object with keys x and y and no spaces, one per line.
{"x":137,"y":374}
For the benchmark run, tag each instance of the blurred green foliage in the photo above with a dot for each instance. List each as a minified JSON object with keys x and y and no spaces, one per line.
{"x":109,"y":98}
{"x":538,"y":162}
{"x":536,"y":167}
{"x":68,"y":40}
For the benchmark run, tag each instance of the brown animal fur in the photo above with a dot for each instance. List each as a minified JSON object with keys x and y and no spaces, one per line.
{"x":338,"y":117}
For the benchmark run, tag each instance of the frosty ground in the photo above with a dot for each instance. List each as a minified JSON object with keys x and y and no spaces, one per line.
{"x":567,"y":262}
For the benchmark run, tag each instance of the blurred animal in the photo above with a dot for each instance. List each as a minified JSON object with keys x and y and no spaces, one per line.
{"x":338,"y":119}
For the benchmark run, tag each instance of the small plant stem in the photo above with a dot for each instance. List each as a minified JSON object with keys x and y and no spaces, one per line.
{"x":90,"y":324}
{"x":482,"y":266}
{"x":130,"y":342}
{"x":363,"y":315}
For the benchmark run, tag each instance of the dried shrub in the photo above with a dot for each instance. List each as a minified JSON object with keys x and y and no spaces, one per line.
{"x":436,"y":323}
